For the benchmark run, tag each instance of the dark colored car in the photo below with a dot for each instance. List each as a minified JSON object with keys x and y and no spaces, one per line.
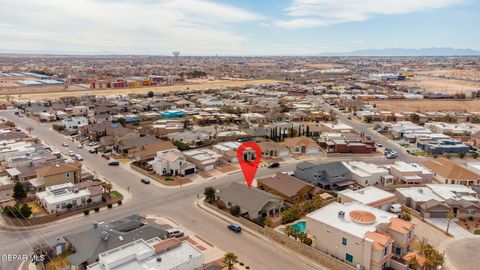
{"x":145,"y":181}
{"x":273,"y":165}
{"x":234,"y":227}
{"x":113,"y":163}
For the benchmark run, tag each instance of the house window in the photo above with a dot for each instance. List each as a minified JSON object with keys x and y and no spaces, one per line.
{"x":410,"y":234}
{"x":348,"y":257}
{"x":385,"y":251}
{"x":67,"y":174}
{"x":58,"y":206}
{"x":398,"y":250}
{"x":344,"y":241}
{"x":470,"y":212}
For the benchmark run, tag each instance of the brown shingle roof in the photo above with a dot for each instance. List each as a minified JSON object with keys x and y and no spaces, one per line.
{"x":450,"y":170}
{"x":284,"y":184}
{"x":300,"y":141}
{"x":58,"y":169}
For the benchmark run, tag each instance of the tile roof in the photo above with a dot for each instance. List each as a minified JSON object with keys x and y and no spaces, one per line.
{"x":400,"y":225}
{"x":450,"y":170}
{"x":285,"y":184}
{"x":58,"y":168}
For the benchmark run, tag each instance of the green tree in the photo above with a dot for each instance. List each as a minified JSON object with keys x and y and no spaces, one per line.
{"x":25,"y":211}
{"x":181,"y":145}
{"x":235,"y":210}
{"x":405,"y":214}
{"x":308,"y":131}
{"x":450,"y":216}
{"x":150,"y":94}
{"x":475,"y":155}
{"x":19,"y":191}
{"x":414,"y":117}
{"x":461,"y":155}
{"x":230,"y":259}
{"x":413,"y":263}
{"x":209,"y":193}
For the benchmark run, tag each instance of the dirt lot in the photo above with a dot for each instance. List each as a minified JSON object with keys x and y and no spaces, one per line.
{"x":59,"y":92}
{"x":433,"y":85}
{"x":428,"y":105}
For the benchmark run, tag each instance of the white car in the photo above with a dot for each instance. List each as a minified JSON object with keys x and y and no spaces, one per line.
{"x":92,"y":143}
{"x":79,"y":146}
{"x":64,"y":144}
{"x":78,"y":157}
{"x":71,"y":153}
{"x":395,"y":208}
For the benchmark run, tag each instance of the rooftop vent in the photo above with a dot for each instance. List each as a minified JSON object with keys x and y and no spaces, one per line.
{"x":159,"y":259}
{"x":94,"y":225}
{"x":420,"y":190}
{"x":341,"y":214}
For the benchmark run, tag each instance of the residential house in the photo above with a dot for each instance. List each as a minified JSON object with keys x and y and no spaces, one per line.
{"x":371,"y":196}
{"x":129,"y":146}
{"x":149,"y":151}
{"x":229,"y":151}
{"x":204,"y":159}
{"x":409,"y":173}
{"x":172,"y":163}
{"x":254,"y":203}
{"x":72,"y":124}
{"x":363,"y":236}
{"x":146,"y":254}
{"x":331,"y":175}
{"x":291,"y":189}
{"x":449,"y":172}
{"x":59,"y":173}
{"x":437,"y":200}
{"x":193,"y":138}
{"x":367,"y":174}
{"x":302,"y":145}
{"x":64,"y":197}
{"x":87,"y":245}
{"x":271,"y":149}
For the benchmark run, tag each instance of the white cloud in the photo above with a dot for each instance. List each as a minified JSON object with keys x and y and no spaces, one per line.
{"x":311,"y":13}
{"x":122,"y":26}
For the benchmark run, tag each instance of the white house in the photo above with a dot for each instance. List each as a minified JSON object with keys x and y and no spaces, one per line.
{"x":72,"y":124}
{"x":371,"y":196}
{"x":46,"y":116}
{"x":367,"y":174}
{"x":172,"y":162}
{"x":153,"y":254}
{"x":57,"y":198}
{"x":363,"y":236}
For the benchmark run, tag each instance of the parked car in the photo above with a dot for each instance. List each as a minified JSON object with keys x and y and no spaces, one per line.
{"x":378,"y":144}
{"x":368,"y":137}
{"x":79,"y":146}
{"x":174,"y":233}
{"x":349,"y":117}
{"x":92,"y":143}
{"x":78,"y":157}
{"x":395,"y":208}
{"x":71,"y":153}
{"x":92,"y":151}
{"x":113,"y":163}
{"x":64,"y":144}
{"x":273,"y":165}
{"x":145,"y":181}
{"x":391,"y":156}
{"x":234,"y":227}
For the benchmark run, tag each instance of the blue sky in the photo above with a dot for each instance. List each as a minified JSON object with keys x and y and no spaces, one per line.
{"x":228,"y":27}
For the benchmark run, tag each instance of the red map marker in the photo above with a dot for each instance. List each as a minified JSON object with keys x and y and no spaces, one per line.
{"x":249,"y":168}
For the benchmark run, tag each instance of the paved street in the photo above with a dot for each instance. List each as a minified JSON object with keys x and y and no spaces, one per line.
{"x":463,"y":254}
{"x":177,"y":204}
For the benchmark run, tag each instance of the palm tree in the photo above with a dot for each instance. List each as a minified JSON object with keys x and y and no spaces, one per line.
{"x":450,"y":216}
{"x":413,"y":263}
{"x":230,"y":259}
{"x":107,"y":187}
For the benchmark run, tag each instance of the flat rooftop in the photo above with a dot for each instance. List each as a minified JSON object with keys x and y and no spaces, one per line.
{"x":329,"y":215}
{"x":367,"y":195}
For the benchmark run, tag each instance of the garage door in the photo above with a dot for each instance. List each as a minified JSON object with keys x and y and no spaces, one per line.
{"x":438,"y":214}
{"x":189,"y":171}
{"x":209,"y":167}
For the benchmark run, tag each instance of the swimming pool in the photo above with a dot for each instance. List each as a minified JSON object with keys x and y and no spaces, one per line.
{"x":301,"y":226}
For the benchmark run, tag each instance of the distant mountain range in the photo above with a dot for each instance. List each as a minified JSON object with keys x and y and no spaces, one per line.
{"x":408,"y":52}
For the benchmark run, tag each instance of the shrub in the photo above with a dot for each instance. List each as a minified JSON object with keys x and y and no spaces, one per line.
{"x":69,"y":206}
{"x":86,"y":212}
{"x":235,"y":210}
{"x":241,"y":264}
{"x":119,"y":203}
{"x":307,"y":241}
{"x":109,"y":205}
{"x":89,"y":200}
{"x":96,"y":209}
{"x":247,"y":267}
{"x":221,"y":205}
{"x":470,"y":218}
{"x":209,"y":193}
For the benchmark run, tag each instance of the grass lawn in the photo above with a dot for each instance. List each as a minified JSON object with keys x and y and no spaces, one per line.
{"x":116,"y":193}
{"x":58,"y":262}
{"x":477,"y":232}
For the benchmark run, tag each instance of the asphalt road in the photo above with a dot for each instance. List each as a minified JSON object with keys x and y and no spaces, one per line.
{"x":177,"y":204}
{"x":463,"y":254}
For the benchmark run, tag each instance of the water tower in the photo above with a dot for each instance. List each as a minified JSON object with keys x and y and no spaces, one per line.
{"x":176,"y":55}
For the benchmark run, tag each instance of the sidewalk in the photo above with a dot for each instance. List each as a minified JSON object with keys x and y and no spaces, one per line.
{"x":315,"y":265}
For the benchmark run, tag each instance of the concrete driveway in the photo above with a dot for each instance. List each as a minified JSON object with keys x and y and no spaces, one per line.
{"x":455,"y":230}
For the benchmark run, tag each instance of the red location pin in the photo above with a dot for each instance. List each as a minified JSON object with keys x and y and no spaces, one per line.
{"x":249,"y":168}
